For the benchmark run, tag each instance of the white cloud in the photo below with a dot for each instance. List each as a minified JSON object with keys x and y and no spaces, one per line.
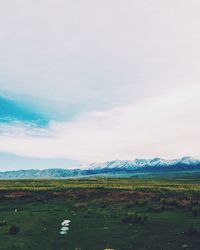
{"x":167,"y":126}
{"x":98,"y":53}
{"x":118,"y":58}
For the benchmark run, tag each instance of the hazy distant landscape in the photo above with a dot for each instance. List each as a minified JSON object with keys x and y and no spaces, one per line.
{"x":111,"y":168}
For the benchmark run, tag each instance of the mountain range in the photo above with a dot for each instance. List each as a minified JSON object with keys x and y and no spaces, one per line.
{"x":110,"y":168}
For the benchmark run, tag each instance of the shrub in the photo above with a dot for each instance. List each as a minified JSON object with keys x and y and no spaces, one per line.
{"x":189,"y":207}
{"x":170,"y":202}
{"x":142,"y":202}
{"x":194,"y":212}
{"x":139,"y":203}
{"x":135,"y":218}
{"x":191,"y":230}
{"x":13,"y":230}
{"x":194,"y":203}
{"x":2,"y":223}
{"x":156,"y":209}
{"x":132,"y":204}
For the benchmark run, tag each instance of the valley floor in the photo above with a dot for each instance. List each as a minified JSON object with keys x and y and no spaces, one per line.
{"x":105,"y":213}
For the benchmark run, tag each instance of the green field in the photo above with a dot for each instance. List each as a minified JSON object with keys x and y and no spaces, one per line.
{"x":151,"y":212}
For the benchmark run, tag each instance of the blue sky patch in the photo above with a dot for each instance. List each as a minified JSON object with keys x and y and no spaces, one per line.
{"x":13,"y":111}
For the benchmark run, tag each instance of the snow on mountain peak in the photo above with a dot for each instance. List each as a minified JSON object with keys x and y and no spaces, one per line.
{"x":140,"y":163}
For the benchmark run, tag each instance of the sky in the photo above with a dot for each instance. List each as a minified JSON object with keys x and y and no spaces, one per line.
{"x":92,"y":81}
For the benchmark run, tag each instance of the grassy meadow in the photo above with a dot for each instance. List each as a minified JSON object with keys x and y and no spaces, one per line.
{"x":149,"y":212}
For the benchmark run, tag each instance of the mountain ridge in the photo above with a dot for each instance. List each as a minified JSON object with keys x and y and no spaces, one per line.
{"x":110,"y":167}
{"x":138,"y":163}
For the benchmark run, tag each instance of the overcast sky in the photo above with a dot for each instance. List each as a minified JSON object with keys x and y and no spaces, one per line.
{"x":85,"y":81}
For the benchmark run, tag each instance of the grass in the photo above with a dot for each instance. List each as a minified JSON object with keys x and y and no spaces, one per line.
{"x":151,"y":212}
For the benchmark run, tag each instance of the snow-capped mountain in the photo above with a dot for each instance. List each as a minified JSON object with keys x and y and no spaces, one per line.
{"x":145,"y":163}
{"x":110,"y":168}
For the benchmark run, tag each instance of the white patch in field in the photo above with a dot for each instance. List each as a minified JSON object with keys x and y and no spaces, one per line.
{"x":65,"y":222}
{"x":65,"y":227}
{"x":63,"y":232}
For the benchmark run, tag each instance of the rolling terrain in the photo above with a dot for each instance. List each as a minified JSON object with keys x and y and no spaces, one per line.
{"x":155,"y":212}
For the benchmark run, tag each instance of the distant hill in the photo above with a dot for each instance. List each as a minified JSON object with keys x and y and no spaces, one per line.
{"x":34,"y":173}
{"x":111,"y":168}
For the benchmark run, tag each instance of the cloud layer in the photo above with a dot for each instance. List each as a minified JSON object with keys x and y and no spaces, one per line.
{"x":109,"y":79}
{"x":98,"y":54}
{"x":167,"y":126}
